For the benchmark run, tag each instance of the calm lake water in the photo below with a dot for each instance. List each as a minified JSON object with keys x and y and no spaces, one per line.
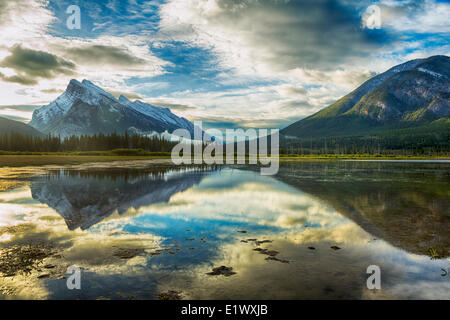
{"x":154,"y":231}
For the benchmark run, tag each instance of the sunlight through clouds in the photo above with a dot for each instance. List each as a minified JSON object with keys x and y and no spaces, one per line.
{"x":237,"y":63}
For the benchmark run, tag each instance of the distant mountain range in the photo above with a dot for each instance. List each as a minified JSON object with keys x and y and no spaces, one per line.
{"x":8,"y":126}
{"x":412,"y":98}
{"x":86,"y":109}
{"x":406,"y":106}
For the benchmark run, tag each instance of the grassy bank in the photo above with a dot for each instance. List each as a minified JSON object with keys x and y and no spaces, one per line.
{"x":110,"y":153}
{"x":40,"y":160}
{"x":61,"y":158}
{"x":360,"y":157}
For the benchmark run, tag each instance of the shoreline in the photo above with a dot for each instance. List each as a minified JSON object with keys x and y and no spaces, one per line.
{"x":67,"y":159}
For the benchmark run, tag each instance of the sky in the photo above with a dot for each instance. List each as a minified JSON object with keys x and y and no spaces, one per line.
{"x":228,"y":63}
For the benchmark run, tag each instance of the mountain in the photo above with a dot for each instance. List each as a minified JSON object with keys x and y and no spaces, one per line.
{"x":393,"y":205}
{"x":410,"y":96}
{"x":8,"y":126}
{"x":86,"y":109}
{"x":85,"y":199}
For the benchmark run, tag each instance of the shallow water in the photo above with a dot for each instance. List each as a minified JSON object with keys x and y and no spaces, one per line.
{"x":152,"y":228}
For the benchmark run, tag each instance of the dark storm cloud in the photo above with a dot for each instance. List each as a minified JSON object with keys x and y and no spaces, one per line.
{"x":103,"y":55}
{"x":312,"y":33}
{"x":318,"y":34}
{"x":24,"y":80}
{"x":30,"y":65}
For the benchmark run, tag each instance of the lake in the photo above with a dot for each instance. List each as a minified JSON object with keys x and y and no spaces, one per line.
{"x":150,"y":230}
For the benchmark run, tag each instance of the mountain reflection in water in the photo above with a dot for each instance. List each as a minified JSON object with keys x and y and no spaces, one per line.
{"x":142,"y":232}
{"x":85,"y":198}
{"x":405,"y":204}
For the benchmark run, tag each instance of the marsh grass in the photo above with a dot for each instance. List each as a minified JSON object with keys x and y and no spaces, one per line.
{"x":22,"y":259}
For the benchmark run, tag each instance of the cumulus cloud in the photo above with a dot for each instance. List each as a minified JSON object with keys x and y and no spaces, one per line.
{"x":37,"y":76}
{"x":94,"y":54}
{"x":421,"y":16}
{"x":109,"y":60}
{"x":252,"y":62}
{"x":271,"y":35}
{"x":22,"y":20}
{"x":345,"y":78}
{"x":262,"y":106}
{"x":291,"y":90}
{"x":18,"y":79}
{"x":31,"y":65}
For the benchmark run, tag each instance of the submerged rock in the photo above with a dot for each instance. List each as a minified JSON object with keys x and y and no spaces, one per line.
{"x":271,"y":253}
{"x":256,"y":241}
{"x":276,"y":259}
{"x":170,"y":295}
{"x":222,"y":270}
{"x":259,"y":242}
{"x":123,"y":253}
{"x":335,"y":248}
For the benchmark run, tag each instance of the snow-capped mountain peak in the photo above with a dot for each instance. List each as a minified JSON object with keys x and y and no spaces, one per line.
{"x":88,"y":84}
{"x":123,"y":99}
{"x":85,"y":108}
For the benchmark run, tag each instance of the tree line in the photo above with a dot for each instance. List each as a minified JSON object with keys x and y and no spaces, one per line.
{"x":387,"y":145}
{"x":98,"y":142}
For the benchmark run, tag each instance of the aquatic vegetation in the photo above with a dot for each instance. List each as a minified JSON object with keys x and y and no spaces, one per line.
{"x":433,"y":254}
{"x":23,"y":259}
